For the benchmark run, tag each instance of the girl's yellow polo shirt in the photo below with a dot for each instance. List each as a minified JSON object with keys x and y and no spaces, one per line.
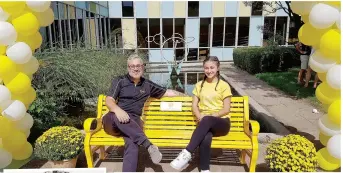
{"x":210,"y":100}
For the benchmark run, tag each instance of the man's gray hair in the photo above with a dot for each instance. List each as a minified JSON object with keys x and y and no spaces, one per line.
{"x":134,"y":56}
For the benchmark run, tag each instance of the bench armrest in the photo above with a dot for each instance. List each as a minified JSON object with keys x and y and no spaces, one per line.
{"x":88,"y":124}
{"x":255,"y":127}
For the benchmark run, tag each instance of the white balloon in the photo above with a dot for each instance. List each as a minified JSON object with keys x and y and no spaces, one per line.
{"x":320,"y":64}
{"x":328,"y":128}
{"x":5,"y":158}
{"x":334,"y":146}
{"x":323,"y":16}
{"x":5,"y":95}
{"x":19,"y":53}
{"x":3,"y":15}
{"x":15,"y":111}
{"x":333,"y":77}
{"x":30,"y":67}
{"x":38,"y":6}
{"x":25,"y":123}
{"x":8,"y":35}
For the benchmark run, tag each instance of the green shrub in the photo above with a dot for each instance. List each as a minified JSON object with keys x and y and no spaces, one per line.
{"x":292,"y":153}
{"x":265,"y":59}
{"x":59,"y":143}
{"x":65,"y":79}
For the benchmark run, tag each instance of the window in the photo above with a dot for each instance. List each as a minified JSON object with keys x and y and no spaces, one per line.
{"x":167,"y":32}
{"x":243,"y":31}
{"x":203,"y":53}
{"x":127,"y":8}
{"x":179,"y":30}
{"x":116,"y":33}
{"x":179,"y":54}
{"x":256,"y":8}
{"x":205,"y":29}
{"x":142,"y":33}
{"x":154,"y":28}
{"x":218,"y":30}
{"x":268,"y":28}
{"x":193,"y":8}
{"x":230,"y":31}
{"x":191,"y":78}
{"x":281,"y":29}
{"x":192,"y":54}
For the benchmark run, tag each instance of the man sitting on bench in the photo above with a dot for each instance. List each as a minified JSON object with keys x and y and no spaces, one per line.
{"x":131,"y":91}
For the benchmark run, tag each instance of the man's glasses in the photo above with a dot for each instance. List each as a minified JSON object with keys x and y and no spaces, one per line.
{"x":139,"y":66}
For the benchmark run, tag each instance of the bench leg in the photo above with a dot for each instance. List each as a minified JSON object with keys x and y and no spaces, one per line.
{"x":242,"y":157}
{"x":102,"y":152}
{"x":89,"y":156}
{"x":253,"y":160}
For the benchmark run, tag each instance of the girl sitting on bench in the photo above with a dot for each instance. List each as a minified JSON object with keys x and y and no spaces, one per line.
{"x":211,"y":105}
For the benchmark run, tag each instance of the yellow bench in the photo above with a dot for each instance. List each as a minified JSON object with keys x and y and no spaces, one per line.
{"x":174,"y":128}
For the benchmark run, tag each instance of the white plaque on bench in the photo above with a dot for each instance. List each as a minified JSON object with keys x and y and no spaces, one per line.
{"x":171,"y":106}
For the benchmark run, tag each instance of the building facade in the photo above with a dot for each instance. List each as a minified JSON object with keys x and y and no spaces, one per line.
{"x":81,"y":24}
{"x":210,"y":27}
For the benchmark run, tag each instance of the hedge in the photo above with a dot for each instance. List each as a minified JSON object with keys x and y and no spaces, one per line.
{"x":265,"y":59}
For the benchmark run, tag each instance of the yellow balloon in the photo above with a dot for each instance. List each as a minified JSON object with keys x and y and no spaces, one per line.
{"x":23,"y":153}
{"x":323,"y":138}
{"x":14,"y":141}
{"x":19,"y":84}
{"x":322,"y":76}
{"x":310,"y":35}
{"x":14,"y":8}
{"x":45,"y":18}
{"x":6,"y":127}
{"x":27,"y":98}
{"x":326,"y":95}
{"x":8,"y":69}
{"x":2,"y":50}
{"x":330,"y":45}
{"x":333,"y":3}
{"x":334,"y":112}
{"x":326,"y":161}
{"x":34,"y":41}
{"x":26,"y":24}
{"x":305,"y":18}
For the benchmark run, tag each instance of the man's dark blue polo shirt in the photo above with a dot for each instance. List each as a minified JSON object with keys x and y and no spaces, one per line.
{"x":131,"y":98}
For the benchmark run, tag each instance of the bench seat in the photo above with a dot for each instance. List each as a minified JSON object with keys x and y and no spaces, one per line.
{"x":170,"y":128}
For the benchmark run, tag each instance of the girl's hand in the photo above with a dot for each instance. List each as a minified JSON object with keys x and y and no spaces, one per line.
{"x":201,"y":116}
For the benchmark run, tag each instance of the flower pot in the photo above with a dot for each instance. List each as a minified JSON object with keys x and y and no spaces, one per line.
{"x":71,"y":163}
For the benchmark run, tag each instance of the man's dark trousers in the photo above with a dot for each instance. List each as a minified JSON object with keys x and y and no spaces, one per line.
{"x":133,"y":136}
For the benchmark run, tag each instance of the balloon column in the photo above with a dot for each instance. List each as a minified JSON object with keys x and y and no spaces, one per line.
{"x":19,"y":37}
{"x":322,"y":31}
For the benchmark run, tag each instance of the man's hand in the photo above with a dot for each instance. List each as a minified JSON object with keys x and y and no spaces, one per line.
{"x":122,"y":116}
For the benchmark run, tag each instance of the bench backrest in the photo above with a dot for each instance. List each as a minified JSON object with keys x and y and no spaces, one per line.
{"x":182,"y":121}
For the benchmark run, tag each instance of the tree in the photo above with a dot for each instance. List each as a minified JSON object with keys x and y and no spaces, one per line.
{"x":273,"y":6}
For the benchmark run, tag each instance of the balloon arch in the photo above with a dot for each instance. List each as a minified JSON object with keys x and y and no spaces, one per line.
{"x":19,"y":37}
{"x":322,"y":31}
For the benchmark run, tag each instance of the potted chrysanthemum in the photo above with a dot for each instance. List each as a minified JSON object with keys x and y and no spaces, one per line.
{"x":292,"y":153}
{"x":60,"y":145}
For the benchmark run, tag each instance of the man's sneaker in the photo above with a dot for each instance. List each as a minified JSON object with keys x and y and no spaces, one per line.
{"x":181,"y":161}
{"x":155,"y":154}
{"x":205,"y":171}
